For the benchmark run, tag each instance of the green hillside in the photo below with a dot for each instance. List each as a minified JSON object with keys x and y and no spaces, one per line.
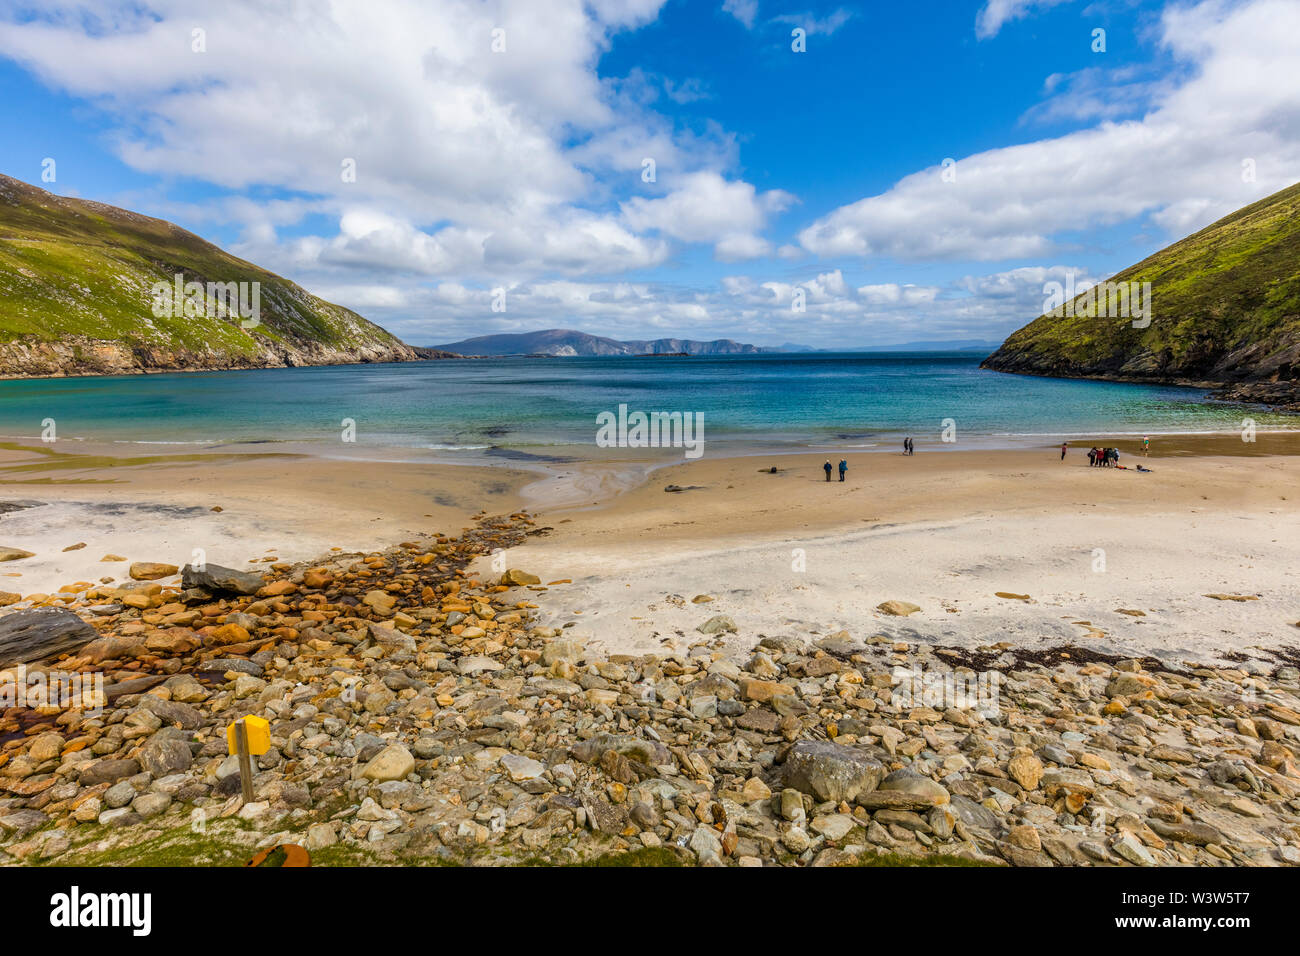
{"x":76,"y":297}
{"x":1225,"y":310}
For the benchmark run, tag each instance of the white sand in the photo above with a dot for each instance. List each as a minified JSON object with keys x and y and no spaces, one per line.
{"x":1161,"y":565}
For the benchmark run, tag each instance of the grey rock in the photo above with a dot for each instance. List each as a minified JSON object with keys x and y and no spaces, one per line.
{"x":107,"y":771}
{"x":217,"y":579}
{"x":41,"y":634}
{"x":164,"y":755}
{"x":830,"y":771}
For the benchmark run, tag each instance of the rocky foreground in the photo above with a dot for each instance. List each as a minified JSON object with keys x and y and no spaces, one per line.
{"x":418,"y":715}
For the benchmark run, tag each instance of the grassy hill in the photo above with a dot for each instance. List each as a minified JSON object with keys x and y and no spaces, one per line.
{"x":76,"y":297}
{"x":1225,"y":311}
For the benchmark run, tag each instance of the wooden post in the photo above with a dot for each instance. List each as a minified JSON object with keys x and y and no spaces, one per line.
{"x":245,"y":765}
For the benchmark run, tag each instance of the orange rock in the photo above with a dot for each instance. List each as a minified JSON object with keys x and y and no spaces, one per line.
{"x":230,"y":634}
{"x":173,"y":640}
{"x":278,"y":588}
{"x":317,"y":578}
{"x":151,"y":570}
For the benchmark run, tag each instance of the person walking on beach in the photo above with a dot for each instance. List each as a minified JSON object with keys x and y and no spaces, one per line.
{"x":1146,"y":445}
{"x":1064,"y":445}
{"x":1092,"y":457}
{"x":844,"y":466}
{"x":827,"y":468}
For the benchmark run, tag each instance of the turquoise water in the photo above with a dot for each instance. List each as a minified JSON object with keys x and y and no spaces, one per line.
{"x":530,"y":405}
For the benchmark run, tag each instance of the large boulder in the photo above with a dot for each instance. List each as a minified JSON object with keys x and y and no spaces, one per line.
{"x":215,"y":578}
{"x":41,"y":634}
{"x":831,"y":771}
{"x":164,"y":755}
{"x":915,"y":785}
{"x":394,"y":762}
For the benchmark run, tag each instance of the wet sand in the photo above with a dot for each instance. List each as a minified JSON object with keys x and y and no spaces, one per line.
{"x":160,"y":507}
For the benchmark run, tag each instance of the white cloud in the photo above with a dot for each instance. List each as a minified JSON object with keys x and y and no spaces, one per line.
{"x":1097,"y":93}
{"x":705,"y":207}
{"x":750,"y":308}
{"x":813,"y":25}
{"x":467,"y":162}
{"x":743,"y":10}
{"x":995,"y":13}
{"x":1180,"y":164}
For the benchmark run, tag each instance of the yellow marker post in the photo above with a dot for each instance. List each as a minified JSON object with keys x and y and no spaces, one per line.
{"x":248,"y":735}
{"x":258,"y":732}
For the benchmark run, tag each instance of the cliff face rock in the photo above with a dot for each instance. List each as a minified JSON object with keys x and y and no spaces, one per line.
{"x":79,"y":295}
{"x":1224,"y":313}
{"x":31,"y":359}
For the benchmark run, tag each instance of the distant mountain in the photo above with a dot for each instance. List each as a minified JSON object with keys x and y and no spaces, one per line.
{"x":566,"y":343}
{"x":1224,"y":310}
{"x":79,"y":295}
{"x":950,"y":345}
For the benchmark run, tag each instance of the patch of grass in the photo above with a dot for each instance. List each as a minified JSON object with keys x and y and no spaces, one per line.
{"x":644,"y":856}
{"x":177,"y":847}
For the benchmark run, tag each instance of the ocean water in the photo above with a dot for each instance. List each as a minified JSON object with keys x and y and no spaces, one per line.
{"x":517,"y":407}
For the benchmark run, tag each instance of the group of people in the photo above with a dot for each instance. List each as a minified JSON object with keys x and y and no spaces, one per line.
{"x":1103,"y":457}
{"x":909,"y":448}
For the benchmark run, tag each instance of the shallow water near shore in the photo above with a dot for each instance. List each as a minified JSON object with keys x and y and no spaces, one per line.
{"x":520,"y":410}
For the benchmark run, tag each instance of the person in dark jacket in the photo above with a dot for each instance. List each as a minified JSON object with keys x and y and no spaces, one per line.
{"x":827,"y":468}
{"x":844,"y":466}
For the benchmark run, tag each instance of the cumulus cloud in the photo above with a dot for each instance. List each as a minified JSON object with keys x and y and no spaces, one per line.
{"x":752,"y":308}
{"x":486,"y":145}
{"x":1180,"y":164}
{"x":706,"y":207}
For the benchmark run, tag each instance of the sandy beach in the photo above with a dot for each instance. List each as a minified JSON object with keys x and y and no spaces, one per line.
{"x":1118,"y":560}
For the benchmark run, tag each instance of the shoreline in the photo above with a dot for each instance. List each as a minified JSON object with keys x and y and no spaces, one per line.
{"x":1226,"y":442}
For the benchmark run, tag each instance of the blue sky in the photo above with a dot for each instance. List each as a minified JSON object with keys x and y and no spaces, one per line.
{"x":781,"y":177}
